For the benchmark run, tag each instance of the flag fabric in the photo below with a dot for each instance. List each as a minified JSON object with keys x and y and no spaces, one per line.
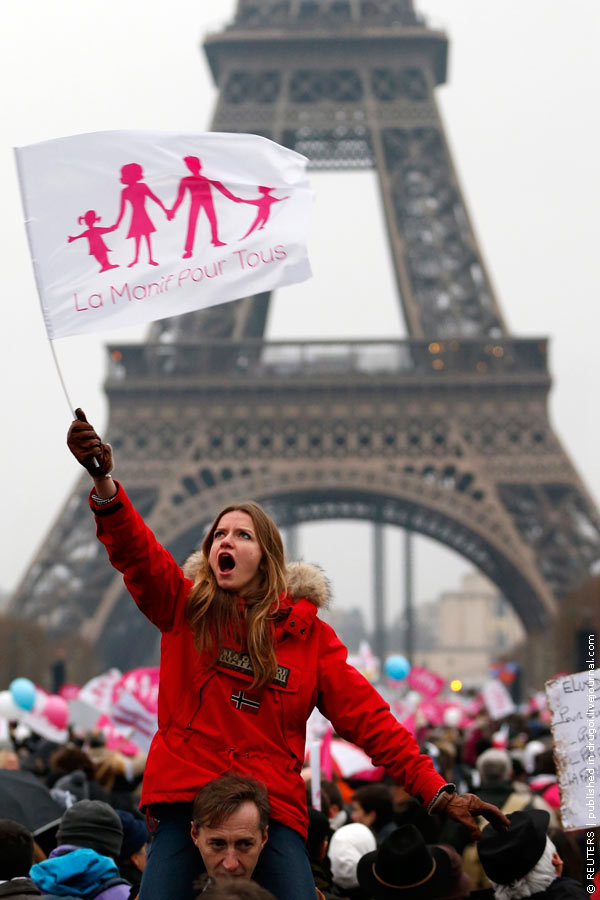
{"x":127,"y":227}
{"x":130,"y":715}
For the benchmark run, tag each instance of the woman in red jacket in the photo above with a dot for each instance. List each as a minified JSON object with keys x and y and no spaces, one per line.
{"x":244,"y":660}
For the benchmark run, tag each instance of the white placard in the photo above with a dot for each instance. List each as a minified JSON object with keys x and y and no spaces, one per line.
{"x":573,"y":705}
{"x":498,"y":701}
{"x":83,"y":715}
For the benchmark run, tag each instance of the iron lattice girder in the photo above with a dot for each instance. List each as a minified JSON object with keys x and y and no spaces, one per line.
{"x":361,"y":95}
{"x":450,"y":439}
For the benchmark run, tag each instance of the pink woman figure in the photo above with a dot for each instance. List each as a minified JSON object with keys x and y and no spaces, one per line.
{"x":199,"y":187}
{"x":136,"y":193}
{"x":98,"y":248}
{"x":264,"y":205}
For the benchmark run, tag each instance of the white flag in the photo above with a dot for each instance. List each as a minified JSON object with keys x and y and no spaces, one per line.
{"x":130,"y":715}
{"x":126,"y":227}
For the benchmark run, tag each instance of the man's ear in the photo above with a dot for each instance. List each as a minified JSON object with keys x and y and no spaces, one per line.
{"x":265,"y":837}
{"x":194,"y":833}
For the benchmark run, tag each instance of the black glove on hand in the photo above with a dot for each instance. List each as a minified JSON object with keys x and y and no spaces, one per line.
{"x":87,"y":448}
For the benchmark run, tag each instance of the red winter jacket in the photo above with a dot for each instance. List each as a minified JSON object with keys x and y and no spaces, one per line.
{"x":209,"y":722}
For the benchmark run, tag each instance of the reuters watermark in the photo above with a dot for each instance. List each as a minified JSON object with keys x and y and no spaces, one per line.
{"x":592,"y":765}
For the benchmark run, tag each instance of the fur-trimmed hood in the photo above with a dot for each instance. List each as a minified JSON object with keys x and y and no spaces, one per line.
{"x":304,"y":580}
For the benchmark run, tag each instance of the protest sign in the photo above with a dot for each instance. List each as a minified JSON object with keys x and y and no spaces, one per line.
{"x":573,"y":706}
{"x":127,"y":227}
{"x":98,"y":691}
{"x":497,"y":700}
{"x":142,"y":683}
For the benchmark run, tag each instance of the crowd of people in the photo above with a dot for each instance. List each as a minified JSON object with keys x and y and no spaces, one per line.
{"x":221,"y":806}
{"x":368,"y":840}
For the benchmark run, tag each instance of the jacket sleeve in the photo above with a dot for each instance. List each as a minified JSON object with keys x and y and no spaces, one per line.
{"x":360,"y":715}
{"x":150,"y":573}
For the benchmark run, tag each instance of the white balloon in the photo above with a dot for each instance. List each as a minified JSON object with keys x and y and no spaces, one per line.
{"x":22,"y":732}
{"x":452,"y":716}
{"x":40,"y":700}
{"x":413,"y":698}
{"x":8,"y":707}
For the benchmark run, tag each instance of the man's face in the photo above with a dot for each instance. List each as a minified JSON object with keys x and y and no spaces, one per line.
{"x":231,"y":849}
{"x":358,"y":814}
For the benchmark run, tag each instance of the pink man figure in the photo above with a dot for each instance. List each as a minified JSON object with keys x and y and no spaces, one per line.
{"x":136,"y":193}
{"x":97,"y":247}
{"x":199,"y":187}
{"x":263,"y":212}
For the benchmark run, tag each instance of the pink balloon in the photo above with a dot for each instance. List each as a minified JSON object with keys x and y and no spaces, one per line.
{"x":56,"y":710}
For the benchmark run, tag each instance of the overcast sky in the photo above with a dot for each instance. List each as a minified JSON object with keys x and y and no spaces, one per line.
{"x":521,"y":114}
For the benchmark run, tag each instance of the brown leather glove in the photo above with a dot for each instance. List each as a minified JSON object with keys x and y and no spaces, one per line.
{"x":464,"y":807}
{"x":87,"y":448}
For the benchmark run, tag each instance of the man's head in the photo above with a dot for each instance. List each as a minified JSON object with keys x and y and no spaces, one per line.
{"x":93,"y":824}
{"x":494,"y":766}
{"x":372,"y":805}
{"x":230,"y":825}
{"x":16,"y":850}
{"x":193,"y":164}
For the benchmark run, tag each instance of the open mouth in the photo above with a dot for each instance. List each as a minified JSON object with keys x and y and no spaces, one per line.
{"x":226,"y":562}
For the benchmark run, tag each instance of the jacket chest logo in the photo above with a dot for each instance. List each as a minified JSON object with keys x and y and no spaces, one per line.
{"x":245,"y":702}
{"x":240,"y":662}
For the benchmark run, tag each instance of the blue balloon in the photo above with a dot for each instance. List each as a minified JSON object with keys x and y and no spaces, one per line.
{"x":23,"y":693}
{"x":396,"y":667}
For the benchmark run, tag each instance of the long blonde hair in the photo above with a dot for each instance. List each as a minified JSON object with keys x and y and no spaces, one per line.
{"x":213,"y":615}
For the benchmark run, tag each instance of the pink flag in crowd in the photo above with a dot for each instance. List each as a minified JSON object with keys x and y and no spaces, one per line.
{"x":126,"y":227}
{"x":427,"y":682}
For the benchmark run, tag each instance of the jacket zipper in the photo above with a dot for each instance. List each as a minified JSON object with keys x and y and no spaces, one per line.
{"x":188,"y":727}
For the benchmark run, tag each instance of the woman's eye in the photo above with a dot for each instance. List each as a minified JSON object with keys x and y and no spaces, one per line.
{"x":245,"y":535}
{"x":219,"y":534}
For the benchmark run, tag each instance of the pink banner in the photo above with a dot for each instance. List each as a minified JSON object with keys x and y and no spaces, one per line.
{"x":426,"y":682}
{"x":142,"y":683}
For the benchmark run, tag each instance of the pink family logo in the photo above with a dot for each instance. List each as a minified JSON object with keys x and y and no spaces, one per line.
{"x":136,"y":194}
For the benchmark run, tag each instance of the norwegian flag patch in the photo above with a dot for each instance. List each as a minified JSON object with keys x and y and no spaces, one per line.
{"x":245,"y":702}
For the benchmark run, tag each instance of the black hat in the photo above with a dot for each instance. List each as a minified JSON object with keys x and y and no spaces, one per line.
{"x":405,"y":866}
{"x":135,"y":833}
{"x":509,"y":855}
{"x":93,"y":824}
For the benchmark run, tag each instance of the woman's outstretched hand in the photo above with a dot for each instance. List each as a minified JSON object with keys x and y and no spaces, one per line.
{"x":87,"y":448}
{"x":464,"y":808}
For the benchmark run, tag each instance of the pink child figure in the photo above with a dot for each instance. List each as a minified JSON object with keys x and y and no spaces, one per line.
{"x":264,"y":205}
{"x":136,"y":193}
{"x":98,"y":248}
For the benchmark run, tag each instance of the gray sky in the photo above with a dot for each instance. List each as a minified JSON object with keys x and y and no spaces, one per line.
{"x":521,"y":115}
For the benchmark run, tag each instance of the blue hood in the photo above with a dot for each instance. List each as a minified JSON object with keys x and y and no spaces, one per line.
{"x":80,"y":872}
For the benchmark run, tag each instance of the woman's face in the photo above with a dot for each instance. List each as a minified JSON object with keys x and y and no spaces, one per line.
{"x":235,"y":553}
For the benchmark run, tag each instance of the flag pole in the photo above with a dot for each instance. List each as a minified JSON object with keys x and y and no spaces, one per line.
{"x":60,"y":376}
{"x":64,"y":387}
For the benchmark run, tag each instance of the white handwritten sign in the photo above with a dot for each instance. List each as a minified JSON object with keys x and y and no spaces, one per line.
{"x":573,"y":704}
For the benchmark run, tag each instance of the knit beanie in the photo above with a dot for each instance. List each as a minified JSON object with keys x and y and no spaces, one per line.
{"x":135,"y":833}
{"x":93,"y":824}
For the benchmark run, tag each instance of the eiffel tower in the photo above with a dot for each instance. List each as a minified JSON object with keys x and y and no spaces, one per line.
{"x":445,"y":433}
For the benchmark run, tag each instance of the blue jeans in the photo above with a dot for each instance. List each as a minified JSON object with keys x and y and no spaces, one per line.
{"x":174,"y":862}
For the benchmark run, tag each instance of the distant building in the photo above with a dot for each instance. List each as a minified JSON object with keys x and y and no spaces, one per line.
{"x":473,"y":626}
{"x":349,"y":625}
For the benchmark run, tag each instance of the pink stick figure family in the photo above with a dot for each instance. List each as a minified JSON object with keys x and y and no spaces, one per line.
{"x":136,"y":193}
